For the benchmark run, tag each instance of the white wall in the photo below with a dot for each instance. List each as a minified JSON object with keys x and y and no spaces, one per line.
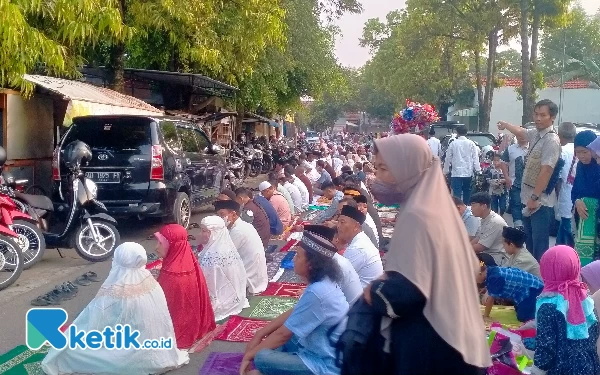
{"x":578,"y":105}
{"x":30,"y":124}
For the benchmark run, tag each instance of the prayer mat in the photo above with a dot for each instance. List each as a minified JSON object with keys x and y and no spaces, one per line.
{"x":504,"y":315}
{"x":284,"y":290}
{"x":586,"y":235}
{"x":240,"y":329}
{"x":287,"y":262}
{"x":274,"y":265}
{"x":223,"y":364}
{"x":289,"y":276}
{"x":288,"y":245}
{"x":154,"y":268}
{"x":23,"y":361}
{"x":201,"y":344}
{"x":268,"y":308}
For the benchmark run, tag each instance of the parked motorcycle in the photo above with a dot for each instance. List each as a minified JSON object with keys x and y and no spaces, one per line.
{"x":256,"y":164}
{"x":236,"y":170}
{"x":29,"y":236}
{"x":267,"y":161}
{"x":11,"y":256}
{"x":89,"y":229}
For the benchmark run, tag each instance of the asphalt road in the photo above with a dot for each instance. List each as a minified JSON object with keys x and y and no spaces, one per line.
{"x":57,"y":267}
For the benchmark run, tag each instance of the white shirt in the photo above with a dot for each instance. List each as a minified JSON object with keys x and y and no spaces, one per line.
{"x":371,"y":223}
{"x":296,"y":196}
{"x":565,"y":204}
{"x":350,"y":284}
{"x":337,"y":166}
{"x":514,"y":152}
{"x":313,"y":175}
{"x":249,"y":245}
{"x":463,"y":156}
{"x":303,"y":192}
{"x":435,"y":146}
{"x":365,"y":258}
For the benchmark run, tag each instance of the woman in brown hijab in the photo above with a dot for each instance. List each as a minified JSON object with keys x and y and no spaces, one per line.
{"x":427,"y":298}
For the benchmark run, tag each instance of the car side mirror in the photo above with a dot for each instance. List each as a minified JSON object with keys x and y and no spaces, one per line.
{"x":217,"y":149}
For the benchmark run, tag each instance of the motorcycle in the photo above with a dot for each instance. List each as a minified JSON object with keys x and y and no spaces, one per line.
{"x":256,"y":164}
{"x":236,"y":171}
{"x":89,"y":229}
{"x":267,"y":161}
{"x":30,"y":238}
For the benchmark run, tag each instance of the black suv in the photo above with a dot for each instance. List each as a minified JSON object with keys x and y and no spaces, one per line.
{"x":145,"y":165}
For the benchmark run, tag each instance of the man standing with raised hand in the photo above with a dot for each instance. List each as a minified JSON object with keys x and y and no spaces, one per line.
{"x":542,"y":156}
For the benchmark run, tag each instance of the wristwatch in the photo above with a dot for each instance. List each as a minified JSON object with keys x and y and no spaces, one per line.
{"x":534,"y":197}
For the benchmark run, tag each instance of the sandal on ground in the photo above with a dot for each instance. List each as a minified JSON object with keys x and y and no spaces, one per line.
{"x":70,"y":285}
{"x":82,"y":280}
{"x":152,"y":257}
{"x":91,"y":276}
{"x":58,"y":294}
{"x":41,"y":301}
{"x":66,"y":292}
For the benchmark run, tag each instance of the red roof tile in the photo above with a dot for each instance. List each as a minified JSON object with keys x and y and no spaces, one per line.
{"x":574,"y":84}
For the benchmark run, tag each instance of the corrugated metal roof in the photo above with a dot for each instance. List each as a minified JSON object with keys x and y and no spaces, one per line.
{"x":75,"y":90}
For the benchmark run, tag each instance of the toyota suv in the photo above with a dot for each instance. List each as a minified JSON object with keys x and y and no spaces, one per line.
{"x":145,"y":166}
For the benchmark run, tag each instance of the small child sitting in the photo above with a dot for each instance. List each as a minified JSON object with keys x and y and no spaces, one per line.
{"x":567,"y":327}
{"x":513,"y":284}
{"x":497,"y":183}
{"x":519,"y":257}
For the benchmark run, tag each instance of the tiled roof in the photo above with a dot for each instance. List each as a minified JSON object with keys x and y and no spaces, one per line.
{"x":76,"y":90}
{"x":574,"y":84}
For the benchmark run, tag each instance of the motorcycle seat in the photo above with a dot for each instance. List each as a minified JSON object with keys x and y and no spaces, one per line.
{"x":36,"y":201}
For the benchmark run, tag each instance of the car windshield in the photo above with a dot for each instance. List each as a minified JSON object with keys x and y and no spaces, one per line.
{"x":481,"y":140}
{"x":130,"y":135}
{"x":311,"y":135}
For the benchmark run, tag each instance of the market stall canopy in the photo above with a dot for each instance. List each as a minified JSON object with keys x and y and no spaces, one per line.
{"x":348,"y":123}
{"x":199,"y":82}
{"x":83,"y":92}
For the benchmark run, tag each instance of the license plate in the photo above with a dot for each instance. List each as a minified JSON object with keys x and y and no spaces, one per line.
{"x":104,"y":177}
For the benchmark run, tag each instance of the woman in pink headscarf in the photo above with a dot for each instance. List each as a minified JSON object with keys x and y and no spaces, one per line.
{"x":427,"y":300}
{"x":567,"y":327}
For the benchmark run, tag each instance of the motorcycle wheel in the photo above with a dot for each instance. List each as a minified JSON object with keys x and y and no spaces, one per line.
{"x":267,"y":166}
{"x":11,"y":261}
{"x":31,"y":241}
{"x":91,"y":250}
{"x":255,"y":170}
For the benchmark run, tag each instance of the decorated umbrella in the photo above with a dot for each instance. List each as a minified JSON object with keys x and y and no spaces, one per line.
{"x":414,"y":118}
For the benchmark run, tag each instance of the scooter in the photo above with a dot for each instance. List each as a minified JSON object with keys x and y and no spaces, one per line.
{"x":89,"y":229}
{"x":14,"y":215}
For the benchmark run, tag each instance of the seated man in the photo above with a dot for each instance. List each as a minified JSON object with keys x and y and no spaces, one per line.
{"x":472,"y":223}
{"x":244,"y":197}
{"x":302,"y":340}
{"x":331,"y":193}
{"x":519,"y":257}
{"x":512,"y":284}
{"x":280,"y":204}
{"x":365,"y":227}
{"x":488,"y":238}
{"x":362,"y":202}
{"x":361,"y":252}
{"x":248,"y":244}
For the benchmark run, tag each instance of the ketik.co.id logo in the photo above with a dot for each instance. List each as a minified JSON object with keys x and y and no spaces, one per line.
{"x":44,"y":326}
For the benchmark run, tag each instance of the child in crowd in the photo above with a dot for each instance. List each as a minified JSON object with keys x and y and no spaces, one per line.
{"x":358,"y":171}
{"x":520,"y":287}
{"x":497,"y":183}
{"x":519,"y":257}
{"x":567,"y":327}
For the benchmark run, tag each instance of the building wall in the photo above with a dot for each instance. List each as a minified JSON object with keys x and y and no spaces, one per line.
{"x":578,"y":105}
{"x":30,"y":124}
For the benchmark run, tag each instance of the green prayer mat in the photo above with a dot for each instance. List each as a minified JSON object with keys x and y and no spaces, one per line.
{"x":269,"y":307}
{"x":23,"y":361}
{"x":504,"y":315}
{"x":585,"y":238}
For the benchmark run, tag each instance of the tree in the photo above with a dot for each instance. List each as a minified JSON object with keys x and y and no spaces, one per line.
{"x":50,"y":36}
{"x":577,"y":45}
{"x":509,"y":63}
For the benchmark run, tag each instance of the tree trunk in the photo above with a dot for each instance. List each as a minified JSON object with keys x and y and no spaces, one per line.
{"x":117,"y":58}
{"x":479,"y":84}
{"x":525,"y":64}
{"x":489,"y":80}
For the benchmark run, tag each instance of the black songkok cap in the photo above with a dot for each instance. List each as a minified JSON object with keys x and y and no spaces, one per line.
{"x":321,"y":230}
{"x":360,"y":199}
{"x":227,"y":205}
{"x":514,"y":235}
{"x":229,"y":193}
{"x":353,"y":213}
{"x":317,"y":244}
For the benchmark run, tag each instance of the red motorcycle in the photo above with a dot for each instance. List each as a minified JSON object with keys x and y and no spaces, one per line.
{"x":29,"y":236}
{"x":11,"y":256}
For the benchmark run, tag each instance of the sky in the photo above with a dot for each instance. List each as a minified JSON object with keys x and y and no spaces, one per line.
{"x":347,"y":47}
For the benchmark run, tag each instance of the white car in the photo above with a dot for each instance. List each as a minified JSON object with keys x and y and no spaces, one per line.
{"x":312,"y":137}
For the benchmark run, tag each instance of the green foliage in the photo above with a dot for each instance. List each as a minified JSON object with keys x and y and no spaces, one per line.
{"x":50,"y":36}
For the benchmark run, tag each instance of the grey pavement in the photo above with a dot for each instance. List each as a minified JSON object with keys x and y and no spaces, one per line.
{"x":56,"y":268}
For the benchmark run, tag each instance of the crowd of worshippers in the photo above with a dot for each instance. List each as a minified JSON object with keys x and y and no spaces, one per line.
{"x":353,"y":317}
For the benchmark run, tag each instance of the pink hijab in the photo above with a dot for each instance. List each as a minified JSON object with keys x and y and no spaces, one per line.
{"x":560,"y":268}
{"x":437,"y":259}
